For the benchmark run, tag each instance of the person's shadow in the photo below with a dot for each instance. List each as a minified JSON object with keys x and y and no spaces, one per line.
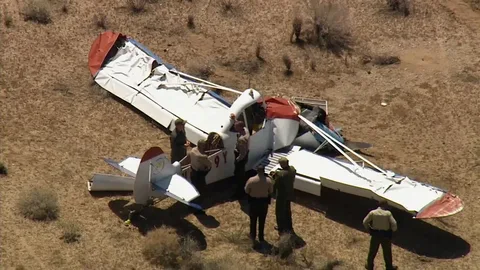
{"x":414,"y":235}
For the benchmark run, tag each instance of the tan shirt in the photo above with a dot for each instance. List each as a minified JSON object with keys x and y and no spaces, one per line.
{"x":380,"y":219}
{"x":199,"y":161}
{"x":242,"y":146}
{"x":259,"y":186}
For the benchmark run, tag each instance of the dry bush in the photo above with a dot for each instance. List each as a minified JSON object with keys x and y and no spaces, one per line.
{"x":297,"y":28}
{"x":100,"y":21}
{"x":7,"y":18}
{"x":330,"y":29}
{"x":286,"y":246}
{"x":288,"y":65}
{"x":3,"y":169}
{"x":136,"y":6}
{"x":70,"y":232}
{"x":190,"y":22}
{"x":227,"y":6}
{"x":475,"y":4}
{"x":39,"y":204}
{"x":385,"y":60}
{"x":65,"y":7}
{"x":202,"y":71}
{"x":162,"y":247}
{"x":331,"y":264}
{"x":225,"y":263}
{"x":37,"y":11}
{"x":402,"y":6}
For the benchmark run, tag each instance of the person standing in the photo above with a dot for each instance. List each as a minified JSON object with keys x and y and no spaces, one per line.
{"x":259,"y":189}
{"x":381,"y":224}
{"x":178,"y":141}
{"x":241,"y":156}
{"x":200,"y":165}
{"x":284,"y":179}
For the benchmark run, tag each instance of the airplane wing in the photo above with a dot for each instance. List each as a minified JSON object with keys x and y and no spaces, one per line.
{"x":133,"y":73}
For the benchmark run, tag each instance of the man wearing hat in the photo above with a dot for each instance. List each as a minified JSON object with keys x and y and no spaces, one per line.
{"x":201,"y":165}
{"x":241,"y":155}
{"x":259,"y":189}
{"x":284,"y":179}
{"x":178,"y":141}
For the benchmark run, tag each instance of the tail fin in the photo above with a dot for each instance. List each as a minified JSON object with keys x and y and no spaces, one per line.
{"x":156,"y":176}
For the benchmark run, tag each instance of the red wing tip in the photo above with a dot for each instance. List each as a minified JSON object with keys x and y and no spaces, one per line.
{"x":151,"y":153}
{"x":448,"y":205}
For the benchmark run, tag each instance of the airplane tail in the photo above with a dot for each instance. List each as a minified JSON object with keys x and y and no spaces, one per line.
{"x":157,"y":177}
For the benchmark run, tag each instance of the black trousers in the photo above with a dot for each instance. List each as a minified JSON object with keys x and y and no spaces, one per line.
{"x":198,"y":180}
{"x":240,"y":175}
{"x":378,"y":238}
{"x":283,"y":212}
{"x":258,"y":208}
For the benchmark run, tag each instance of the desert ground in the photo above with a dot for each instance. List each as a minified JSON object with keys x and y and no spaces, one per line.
{"x":56,"y":126}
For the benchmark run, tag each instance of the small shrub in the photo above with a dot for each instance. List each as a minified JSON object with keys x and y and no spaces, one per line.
{"x":331,"y":264}
{"x":162,"y":247}
{"x":3,"y":169}
{"x":70,"y":232}
{"x":258,"y":53}
{"x":288,"y":65}
{"x":7,"y":19}
{"x":65,"y":8}
{"x":286,"y":246}
{"x":313,"y":65}
{"x":37,"y":11}
{"x":136,"y":6}
{"x":190,"y":22}
{"x":402,"y":6}
{"x":227,"y":6}
{"x":39,"y":204}
{"x":330,"y":30}
{"x":100,"y":21}
{"x":386,"y":60}
{"x":297,"y":28}
{"x":203,"y":71}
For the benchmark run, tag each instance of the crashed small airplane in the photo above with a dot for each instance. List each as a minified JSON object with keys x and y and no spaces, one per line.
{"x":278,"y":127}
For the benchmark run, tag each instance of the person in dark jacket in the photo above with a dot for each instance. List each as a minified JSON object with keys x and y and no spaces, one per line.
{"x":284,"y":179}
{"x":178,"y":141}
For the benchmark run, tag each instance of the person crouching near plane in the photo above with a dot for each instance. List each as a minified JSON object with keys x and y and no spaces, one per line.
{"x":178,"y":141}
{"x":200,"y":165}
{"x":259,"y":189}
{"x":324,"y":124}
{"x":381,"y":225}
{"x":284,"y":179}
{"x":241,"y":156}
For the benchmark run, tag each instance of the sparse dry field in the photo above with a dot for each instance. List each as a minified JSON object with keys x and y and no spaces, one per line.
{"x":55,"y":127}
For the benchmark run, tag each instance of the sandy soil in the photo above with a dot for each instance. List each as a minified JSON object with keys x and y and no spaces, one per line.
{"x":55,"y":127}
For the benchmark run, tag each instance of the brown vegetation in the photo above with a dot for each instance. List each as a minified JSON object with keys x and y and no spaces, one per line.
{"x":37,"y":11}
{"x":402,"y":6}
{"x":136,"y":6}
{"x":39,"y":204}
{"x":3,"y":169}
{"x":57,"y":126}
{"x":70,"y":232}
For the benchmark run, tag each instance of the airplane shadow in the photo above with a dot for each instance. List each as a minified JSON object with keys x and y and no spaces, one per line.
{"x":413,"y":235}
{"x":151,"y":218}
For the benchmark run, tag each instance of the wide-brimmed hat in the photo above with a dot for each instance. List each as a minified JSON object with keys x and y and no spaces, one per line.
{"x":180,"y":121}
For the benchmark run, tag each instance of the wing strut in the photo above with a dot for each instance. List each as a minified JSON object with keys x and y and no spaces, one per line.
{"x":329,"y":138}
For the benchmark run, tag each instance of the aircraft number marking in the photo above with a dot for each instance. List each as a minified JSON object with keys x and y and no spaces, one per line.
{"x":217,"y":159}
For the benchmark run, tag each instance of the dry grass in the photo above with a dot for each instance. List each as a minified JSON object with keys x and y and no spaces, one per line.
{"x":39,"y":204}
{"x":201,"y":70}
{"x":38,"y":11}
{"x":70,"y":232}
{"x":297,"y":28}
{"x":7,"y":18}
{"x":58,"y":140}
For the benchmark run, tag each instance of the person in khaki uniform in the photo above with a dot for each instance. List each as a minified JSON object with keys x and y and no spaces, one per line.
{"x":284,"y":179}
{"x":178,"y":141}
{"x":259,"y":189}
{"x":201,"y":166}
{"x":381,"y":224}
{"x":241,"y":156}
